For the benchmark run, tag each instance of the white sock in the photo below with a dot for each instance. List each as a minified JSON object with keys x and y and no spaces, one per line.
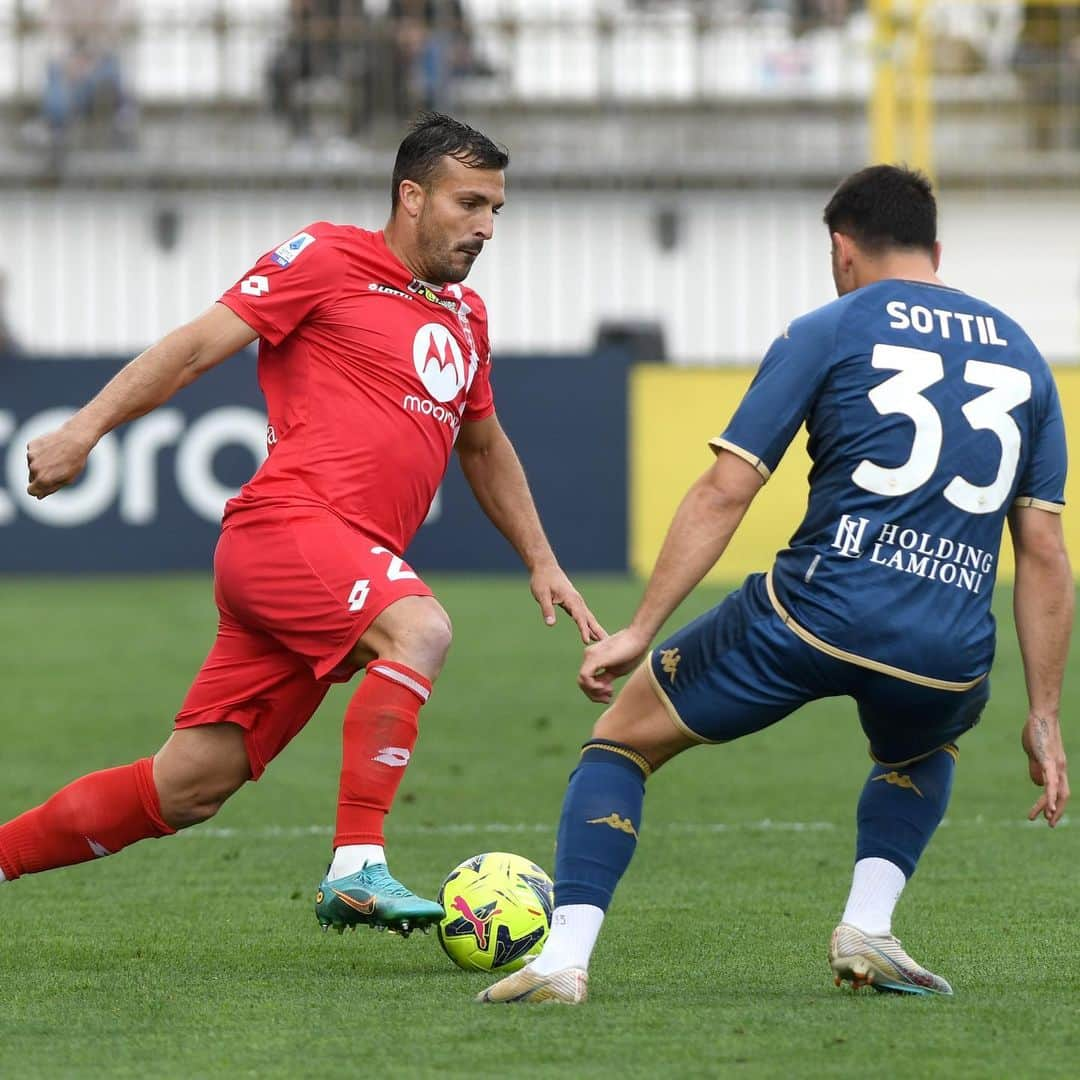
{"x":352,"y":858}
{"x":876,"y":886}
{"x":574,"y":928}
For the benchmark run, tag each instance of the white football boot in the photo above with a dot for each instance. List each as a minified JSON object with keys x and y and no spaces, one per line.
{"x":878,"y":960}
{"x":567,"y":987}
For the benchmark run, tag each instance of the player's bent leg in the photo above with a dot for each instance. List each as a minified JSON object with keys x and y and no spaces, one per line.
{"x":96,"y":815}
{"x":912,"y":731}
{"x":732,"y":671}
{"x":900,"y":808}
{"x":403,"y":651}
{"x":414,"y":631}
{"x":598,"y":832}
{"x":639,"y":720}
{"x":197,"y":769}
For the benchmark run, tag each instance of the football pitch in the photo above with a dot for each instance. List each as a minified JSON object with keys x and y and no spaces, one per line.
{"x":199,"y":956}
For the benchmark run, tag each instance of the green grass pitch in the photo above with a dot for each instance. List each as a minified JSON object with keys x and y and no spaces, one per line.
{"x":199,"y":956}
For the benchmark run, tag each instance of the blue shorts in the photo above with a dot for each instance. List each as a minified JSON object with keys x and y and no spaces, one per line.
{"x":738,"y":668}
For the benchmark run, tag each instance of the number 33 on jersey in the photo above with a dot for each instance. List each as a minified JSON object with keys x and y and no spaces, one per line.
{"x":930,"y":413}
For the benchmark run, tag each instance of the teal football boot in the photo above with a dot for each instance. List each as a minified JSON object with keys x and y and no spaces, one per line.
{"x":373,"y":898}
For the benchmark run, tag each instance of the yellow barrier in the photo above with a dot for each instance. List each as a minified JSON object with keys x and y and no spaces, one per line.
{"x":673,"y":414}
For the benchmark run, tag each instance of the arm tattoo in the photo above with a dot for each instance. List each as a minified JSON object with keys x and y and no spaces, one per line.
{"x":1039,"y":733}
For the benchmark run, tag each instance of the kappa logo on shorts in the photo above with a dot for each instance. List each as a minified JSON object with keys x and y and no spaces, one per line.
{"x":669,"y":661}
{"x":396,"y":756}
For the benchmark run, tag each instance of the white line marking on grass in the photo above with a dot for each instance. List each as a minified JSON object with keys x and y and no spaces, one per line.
{"x":215,"y":832}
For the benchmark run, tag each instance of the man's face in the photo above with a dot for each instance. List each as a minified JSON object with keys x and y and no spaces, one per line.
{"x":456,"y":218}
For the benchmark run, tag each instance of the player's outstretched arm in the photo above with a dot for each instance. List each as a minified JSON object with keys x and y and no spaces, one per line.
{"x":494,"y":473}
{"x":1043,"y":600}
{"x":56,"y":459}
{"x":699,"y":533}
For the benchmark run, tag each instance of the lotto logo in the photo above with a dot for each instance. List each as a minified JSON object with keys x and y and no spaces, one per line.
{"x":396,"y":757}
{"x":359,"y":594}
{"x":255,"y":285}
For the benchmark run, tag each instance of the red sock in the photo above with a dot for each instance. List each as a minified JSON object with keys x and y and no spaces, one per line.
{"x":377,"y":741}
{"x":96,"y":815}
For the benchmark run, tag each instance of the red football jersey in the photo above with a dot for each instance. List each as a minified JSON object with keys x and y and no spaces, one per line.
{"x":367,"y":373}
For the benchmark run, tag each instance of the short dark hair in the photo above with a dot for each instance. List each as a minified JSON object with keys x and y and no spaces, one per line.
{"x":434,"y":136}
{"x":885,"y":206}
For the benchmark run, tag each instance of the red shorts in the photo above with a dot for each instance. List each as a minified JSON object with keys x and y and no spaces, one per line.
{"x":294,"y":595}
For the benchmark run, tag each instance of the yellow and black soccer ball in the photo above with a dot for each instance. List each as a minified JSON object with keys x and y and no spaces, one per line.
{"x":498,"y":912}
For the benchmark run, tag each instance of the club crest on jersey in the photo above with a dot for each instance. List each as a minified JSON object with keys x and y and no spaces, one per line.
{"x":292,"y":249}
{"x":438,"y":361}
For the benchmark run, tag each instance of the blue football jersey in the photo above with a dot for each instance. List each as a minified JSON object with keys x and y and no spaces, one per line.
{"x":930,"y":414}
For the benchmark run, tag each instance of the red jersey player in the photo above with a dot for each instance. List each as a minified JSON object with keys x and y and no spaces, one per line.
{"x":375,"y":364}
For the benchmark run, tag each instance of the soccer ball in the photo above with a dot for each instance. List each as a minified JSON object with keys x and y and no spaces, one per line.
{"x":498,"y":912}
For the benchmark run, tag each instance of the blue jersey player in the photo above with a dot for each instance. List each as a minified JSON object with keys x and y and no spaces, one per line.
{"x":932,"y":420}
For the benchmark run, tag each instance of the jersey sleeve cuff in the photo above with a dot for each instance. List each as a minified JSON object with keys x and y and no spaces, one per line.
{"x":479,"y":414}
{"x":257,"y":321}
{"x":1039,"y":504}
{"x":720,"y":443}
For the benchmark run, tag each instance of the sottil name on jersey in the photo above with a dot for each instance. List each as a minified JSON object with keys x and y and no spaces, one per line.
{"x":946,"y":324}
{"x":911,"y":551}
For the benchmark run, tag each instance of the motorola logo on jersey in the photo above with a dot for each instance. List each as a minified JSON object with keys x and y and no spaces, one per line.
{"x":438,"y":361}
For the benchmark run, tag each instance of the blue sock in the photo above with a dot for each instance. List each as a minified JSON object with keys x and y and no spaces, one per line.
{"x":598,"y":830}
{"x":900,"y":807}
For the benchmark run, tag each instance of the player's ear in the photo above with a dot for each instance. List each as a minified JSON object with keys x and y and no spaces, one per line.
{"x":843,"y":250}
{"x":411,"y":198}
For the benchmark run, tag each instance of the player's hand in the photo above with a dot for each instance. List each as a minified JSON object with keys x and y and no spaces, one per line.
{"x":1042,"y":743}
{"x":552,"y":589}
{"x":609,"y":660}
{"x":56,"y":459}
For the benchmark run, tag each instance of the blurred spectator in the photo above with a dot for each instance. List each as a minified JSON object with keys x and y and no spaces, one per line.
{"x":811,"y":14}
{"x":814,"y":14}
{"x":84,"y":79}
{"x":1048,"y":62}
{"x":310,"y":52}
{"x":332,"y":52}
{"x":434,"y":48}
{"x":973,"y":38}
